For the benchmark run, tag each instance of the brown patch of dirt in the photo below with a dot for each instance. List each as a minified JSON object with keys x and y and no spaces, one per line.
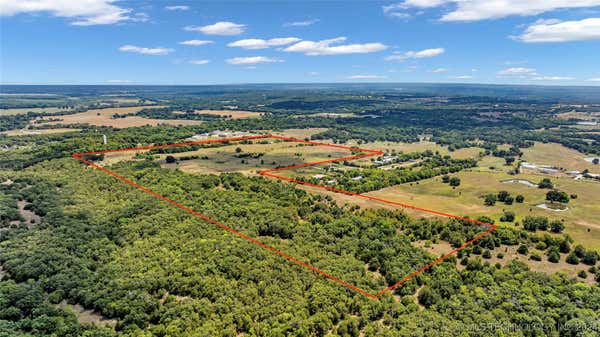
{"x":88,"y":316}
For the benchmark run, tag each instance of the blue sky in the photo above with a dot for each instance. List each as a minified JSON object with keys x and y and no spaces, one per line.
{"x":219,"y":42}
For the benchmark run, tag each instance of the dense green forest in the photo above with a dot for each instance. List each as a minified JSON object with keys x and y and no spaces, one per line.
{"x":158,"y":271}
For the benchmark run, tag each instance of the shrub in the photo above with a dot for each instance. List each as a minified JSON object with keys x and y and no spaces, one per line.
{"x":519,"y":199}
{"x":535,"y":257}
{"x":454,"y":181}
{"x":545,"y":183}
{"x":582,"y":274}
{"x":572,"y":259}
{"x":490,"y":200}
{"x":553,"y":256}
{"x":557,"y":196}
{"x":508,"y":216}
{"x":523,"y":250}
{"x":557,"y":226}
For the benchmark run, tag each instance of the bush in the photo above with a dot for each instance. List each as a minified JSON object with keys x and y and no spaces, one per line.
{"x":545,"y":183}
{"x":523,"y":250}
{"x":582,"y":274}
{"x":557,"y":196}
{"x":572,"y":259}
{"x":590,"y":258}
{"x":535,"y":257}
{"x":487,"y":254}
{"x":533,"y":223}
{"x":500,"y":255}
{"x":502,"y":195}
{"x":508,"y":216}
{"x":519,"y":199}
{"x":557,"y":226}
{"x":554,"y":256}
{"x":170,"y":159}
{"x":490,"y":200}
{"x":454,"y":181}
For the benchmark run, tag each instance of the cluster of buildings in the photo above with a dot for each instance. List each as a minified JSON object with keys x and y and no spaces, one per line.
{"x":217,"y":133}
{"x":385,"y":160}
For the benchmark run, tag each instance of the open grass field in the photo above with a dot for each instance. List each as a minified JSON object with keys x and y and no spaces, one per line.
{"x":225,"y":158}
{"x":233,"y":114}
{"x":557,"y":155}
{"x":420,"y":146}
{"x":22,"y":111}
{"x":300,"y":133}
{"x":104,"y":117}
{"x":26,"y":132}
{"x":467,"y":200}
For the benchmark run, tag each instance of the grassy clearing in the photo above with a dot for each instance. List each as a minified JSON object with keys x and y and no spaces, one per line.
{"x":22,"y":111}
{"x":104,"y":117}
{"x":510,"y":253}
{"x":225,"y":158}
{"x":27,"y":132}
{"x":557,"y":155}
{"x":300,"y":133}
{"x":233,"y":114}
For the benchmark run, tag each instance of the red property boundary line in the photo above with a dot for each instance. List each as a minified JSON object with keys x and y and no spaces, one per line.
{"x":270,"y":173}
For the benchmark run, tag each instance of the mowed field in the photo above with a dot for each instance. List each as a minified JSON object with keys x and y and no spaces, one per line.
{"x":557,"y":155}
{"x":104,"y":117}
{"x":22,"y":111}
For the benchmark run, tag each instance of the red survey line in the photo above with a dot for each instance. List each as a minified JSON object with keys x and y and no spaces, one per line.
{"x":366,"y":153}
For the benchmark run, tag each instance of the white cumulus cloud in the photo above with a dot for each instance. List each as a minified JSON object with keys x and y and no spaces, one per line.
{"x":195,"y":42}
{"x":83,"y":12}
{"x":177,"y":8}
{"x":440,"y":70}
{"x":119,"y":81}
{"x":145,"y":50}
{"x":262,"y":44}
{"x":365,"y":77}
{"x":474,"y":10}
{"x":199,"y":62}
{"x":301,"y":23}
{"x":553,"y":78}
{"x":561,"y":31}
{"x":416,"y":54}
{"x":219,"y":28}
{"x":463,"y":77}
{"x":324,"y":47}
{"x":252,"y":60}
{"x":517,"y":71}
